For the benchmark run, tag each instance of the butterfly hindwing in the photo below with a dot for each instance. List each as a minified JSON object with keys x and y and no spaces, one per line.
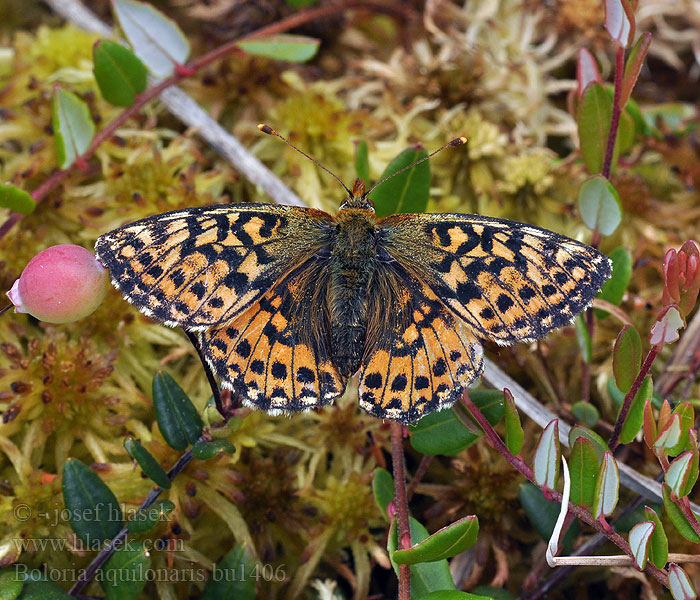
{"x":274,"y":356}
{"x":199,"y":267}
{"x":421,"y":358}
{"x":508,"y":281}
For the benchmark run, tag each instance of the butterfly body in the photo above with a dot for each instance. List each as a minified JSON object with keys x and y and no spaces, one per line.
{"x":288,"y":303}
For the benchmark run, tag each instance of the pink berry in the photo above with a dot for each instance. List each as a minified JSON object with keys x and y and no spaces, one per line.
{"x":61,"y":284}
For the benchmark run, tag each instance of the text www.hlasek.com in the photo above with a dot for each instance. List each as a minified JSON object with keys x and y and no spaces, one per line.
{"x":61,"y":544}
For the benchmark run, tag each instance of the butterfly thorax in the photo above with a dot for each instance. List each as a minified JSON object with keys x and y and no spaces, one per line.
{"x":351,"y":269}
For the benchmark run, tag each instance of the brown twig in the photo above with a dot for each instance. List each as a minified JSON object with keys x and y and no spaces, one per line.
{"x":401,"y":502}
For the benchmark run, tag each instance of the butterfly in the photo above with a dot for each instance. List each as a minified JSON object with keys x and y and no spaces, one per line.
{"x":288,"y":303}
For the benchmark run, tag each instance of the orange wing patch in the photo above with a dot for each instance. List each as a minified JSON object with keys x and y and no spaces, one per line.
{"x":420,"y":366}
{"x":508,"y":281}
{"x":199,"y":267}
{"x":268,"y":357}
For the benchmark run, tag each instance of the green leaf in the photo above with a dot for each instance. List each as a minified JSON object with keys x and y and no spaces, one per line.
{"x":658,"y":549}
{"x":586,"y":413}
{"x":442,"y":433}
{"x":282,"y":46}
{"x":686,"y":413}
{"x":408,"y":192}
{"x":633,"y":65}
{"x":236,"y":575}
{"x":156,"y":39}
{"x":72,"y":126}
{"x":598,"y":442}
{"x":599,"y":205}
{"x":635,"y":417}
{"x":495,"y":593}
{"x":444,"y":543}
{"x":675,"y":514}
{"x":177,"y":417}
{"x":514,"y":430}
{"x":147,"y":519}
{"x":607,"y":489}
{"x":11,"y":584}
{"x":383,"y":489}
{"x":124,"y":574}
{"x":670,"y":435}
{"x":543,"y":514}
{"x":640,"y":542}
{"x":584,"y":472}
{"x":425,"y":577}
{"x":362,"y":160}
{"x":584,"y":338}
{"x":44,"y":590}
{"x":548,"y":456}
{"x":207,"y":450}
{"x":148,"y":464}
{"x":16,"y":199}
{"x":613,"y":289}
{"x":453,"y":595}
{"x":627,"y":358}
{"x":119,"y":73}
{"x":679,"y":584}
{"x":678,"y":474}
{"x":594,"y":114}
{"x":95,"y":514}
{"x":300,"y":3}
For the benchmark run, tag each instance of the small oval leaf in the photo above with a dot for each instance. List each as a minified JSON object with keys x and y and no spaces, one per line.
{"x":548,"y":456}
{"x":444,"y":543}
{"x":635,"y":417}
{"x":607,"y":488}
{"x":383,"y":489}
{"x":679,"y":584}
{"x":148,"y":518}
{"x":678,"y":474}
{"x":11,"y":584}
{"x":72,"y":126}
{"x":593,"y":119}
{"x":236,"y":576}
{"x":584,"y":338}
{"x":640,"y":540}
{"x":514,"y":430}
{"x":598,"y":442}
{"x":124,"y":574}
{"x":627,"y":357}
{"x":16,"y":199}
{"x":675,"y":514}
{"x":584,"y":472}
{"x":543,"y":515}
{"x":177,"y":417}
{"x":207,"y":450}
{"x":95,"y":514}
{"x":670,"y":434}
{"x":586,"y":413}
{"x":156,"y":39}
{"x":658,"y":549}
{"x":148,"y":464}
{"x":599,"y":205}
{"x":283,"y":46}
{"x":405,"y":193}
{"x":665,"y":330}
{"x":119,"y":73}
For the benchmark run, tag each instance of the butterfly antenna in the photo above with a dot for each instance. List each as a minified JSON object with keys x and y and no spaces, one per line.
{"x":455,"y":142}
{"x":269,"y":131}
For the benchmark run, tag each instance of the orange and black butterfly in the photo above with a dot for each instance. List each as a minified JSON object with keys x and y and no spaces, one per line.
{"x":289,"y":302}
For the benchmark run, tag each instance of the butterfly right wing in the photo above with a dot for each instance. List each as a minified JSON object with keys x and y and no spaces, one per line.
{"x":200,"y":267}
{"x":275,"y":356}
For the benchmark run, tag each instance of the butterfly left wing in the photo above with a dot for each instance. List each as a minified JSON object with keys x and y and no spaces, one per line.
{"x":508,"y":281}
{"x":419,"y":357}
{"x":200,"y":267}
{"x":275,"y":355}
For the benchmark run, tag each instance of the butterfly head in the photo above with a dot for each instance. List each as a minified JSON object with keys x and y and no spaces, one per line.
{"x":358,"y":197}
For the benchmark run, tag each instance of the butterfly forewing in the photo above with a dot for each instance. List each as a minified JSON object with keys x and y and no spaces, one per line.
{"x":508,"y":281}
{"x":200,"y":267}
{"x":423,"y":357}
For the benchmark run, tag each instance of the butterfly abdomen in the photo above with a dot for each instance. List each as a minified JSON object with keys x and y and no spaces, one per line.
{"x":351,"y":268}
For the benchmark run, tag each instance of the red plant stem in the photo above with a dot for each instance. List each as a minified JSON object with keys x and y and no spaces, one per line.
{"x":616,"y":111}
{"x":629,"y":397}
{"x":520,"y":465}
{"x":418,"y":475}
{"x":190,"y":69}
{"x":401,"y":501}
